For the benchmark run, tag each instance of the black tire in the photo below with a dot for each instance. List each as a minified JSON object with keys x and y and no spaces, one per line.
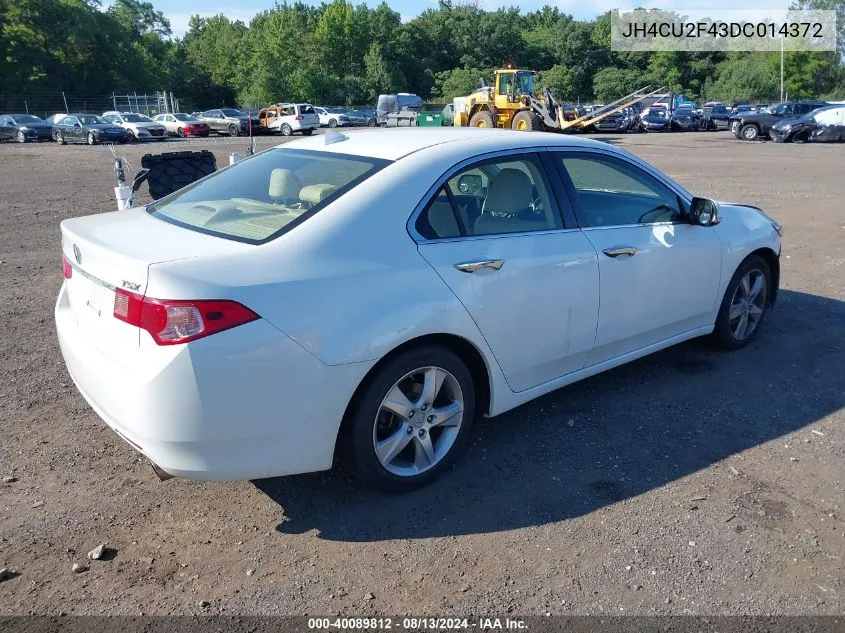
{"x":180,"y":132}
{"x":307,"y":132}
{"x":371,"y":122}
{"x":21,"y":138}
{"x":60,"y":138}
{"x":362,"y":417}
{"x":92,"y":140}
{"x":234,"y":130}
{"x":723,"y":335}
{"x":749,"y":132}
{"x":332,"y":122}
{"x":526,"y":121}
{"x":286,"y":129}
{"x":171,"y":171}
{"x":130,"y":136}
{"x":483,"y":119}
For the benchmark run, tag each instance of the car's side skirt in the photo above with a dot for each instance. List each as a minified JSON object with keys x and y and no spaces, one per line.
{"x":505,"y":402}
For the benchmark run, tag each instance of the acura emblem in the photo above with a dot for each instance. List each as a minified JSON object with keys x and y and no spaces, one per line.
{"x":77,"y":254}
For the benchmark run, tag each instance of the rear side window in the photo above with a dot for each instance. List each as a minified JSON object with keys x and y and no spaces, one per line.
{"x":258,"y":199}
{"x":306,"y":109}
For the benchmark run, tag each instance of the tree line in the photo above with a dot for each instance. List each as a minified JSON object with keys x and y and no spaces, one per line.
{"x":340,"y":53}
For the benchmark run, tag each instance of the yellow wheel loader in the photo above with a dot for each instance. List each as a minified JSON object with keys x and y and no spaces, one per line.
{"x":513,"y":104}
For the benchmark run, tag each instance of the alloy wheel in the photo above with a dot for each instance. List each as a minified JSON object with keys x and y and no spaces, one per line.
{"x":21,"y":137}
{"x":418,"y":421}
{"x":748,"y":304}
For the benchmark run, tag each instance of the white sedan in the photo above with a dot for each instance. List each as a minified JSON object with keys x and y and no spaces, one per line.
{"x":387,"y":290}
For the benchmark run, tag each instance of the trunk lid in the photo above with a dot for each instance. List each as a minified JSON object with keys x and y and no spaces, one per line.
{"x":113,"y":251}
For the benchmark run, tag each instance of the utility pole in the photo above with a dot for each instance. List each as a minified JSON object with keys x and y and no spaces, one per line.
{"x":781,"y":69}
{"x":64,"y":98}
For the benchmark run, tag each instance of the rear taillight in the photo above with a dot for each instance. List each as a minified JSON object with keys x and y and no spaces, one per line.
{"x":67,"y":269}
{"x":175,"y":322}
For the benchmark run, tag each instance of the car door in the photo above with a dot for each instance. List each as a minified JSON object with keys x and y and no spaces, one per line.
{"x":5,"y":127}
{"x":494,"y":233}
{"x":659,"y":274}
{"x":70,"y":127}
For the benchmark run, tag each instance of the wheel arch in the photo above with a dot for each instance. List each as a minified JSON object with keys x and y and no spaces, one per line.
{"x":772,"y":259}
{"x":461,"y":346}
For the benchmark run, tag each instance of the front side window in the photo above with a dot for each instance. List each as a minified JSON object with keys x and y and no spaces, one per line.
{"x":613,"y":192}
{"x":493,"y":197}
{"x":258,"y":199}
{"x":90,"y":119}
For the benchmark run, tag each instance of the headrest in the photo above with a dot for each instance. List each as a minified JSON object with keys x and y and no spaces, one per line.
{"x":510,"y":192}
{"x":284,"y":185}
{"x":316,"y":193}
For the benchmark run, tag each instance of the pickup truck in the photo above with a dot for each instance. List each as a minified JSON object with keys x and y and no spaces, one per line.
{"x":750,"y":126}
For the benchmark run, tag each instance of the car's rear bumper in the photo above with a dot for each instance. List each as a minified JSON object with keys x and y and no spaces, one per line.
{"x":241,"y":404}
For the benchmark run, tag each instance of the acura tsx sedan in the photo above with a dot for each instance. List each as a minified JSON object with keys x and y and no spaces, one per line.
{"x":377,"y":293}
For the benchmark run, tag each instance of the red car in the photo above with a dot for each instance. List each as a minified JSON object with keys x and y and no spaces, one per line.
{"x":182,"y":124}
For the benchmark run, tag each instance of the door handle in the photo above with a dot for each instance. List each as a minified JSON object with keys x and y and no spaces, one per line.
{"x":620,"y":250}
{"x":471,"y":267}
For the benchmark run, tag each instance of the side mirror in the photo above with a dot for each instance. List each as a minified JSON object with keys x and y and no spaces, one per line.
{"x":469,"y":183}
{"x":704,"y":212}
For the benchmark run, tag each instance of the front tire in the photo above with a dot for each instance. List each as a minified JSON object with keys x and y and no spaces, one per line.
{"x":286,"y":129}
{"x":411,"y":419}
{"x":234,"y":130}
{"x":332,"y":123}
{"x":744,"y":305}
{"x":749,"y":132}
{"x":371,"y":123}
{"x":21,"y":137}
{"x":92,"y":140}
{"x":60,"y":138}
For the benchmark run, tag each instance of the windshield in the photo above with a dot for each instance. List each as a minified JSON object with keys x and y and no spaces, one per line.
{"x":136,"y":118}
{"x":184,"y":117}
{"x":260,"y":198}
{"x":90,"y":119}
{"x":26,"y":118}
{"x":235,"y":113}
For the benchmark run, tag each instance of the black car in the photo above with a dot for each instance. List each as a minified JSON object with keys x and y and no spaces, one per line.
{"x":685,"y":119}
{"x":822,"y":125}
{"x":716,"y":117}
{"x":88,"y":128}
{"x":751,"y":126}
{"x":622,"y":121}
{"x":24,"y":127}
{"x":656,"y":120}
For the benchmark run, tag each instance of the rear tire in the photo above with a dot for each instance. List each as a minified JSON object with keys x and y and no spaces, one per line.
{"x":286,"y":129}
{"x":60,"y":138}
{"x":526,"y":121}
{"x":483,"y":119}
{"x":180,"y":132}
{"x":92,"y":140}
{"x":370,"y":422}
{"x":744,"y":305}
{"x":371,"y":123}
{"x":21,"y":137}
{"x":234,"y":130}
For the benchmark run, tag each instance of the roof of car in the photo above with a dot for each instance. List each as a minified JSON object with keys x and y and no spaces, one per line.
{"x":393,"y":144}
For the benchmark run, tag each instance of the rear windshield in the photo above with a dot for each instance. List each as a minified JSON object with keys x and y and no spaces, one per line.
{"x":258,"y":199}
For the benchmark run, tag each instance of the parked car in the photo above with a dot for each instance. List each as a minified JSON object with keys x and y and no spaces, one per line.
{"x":685,"y":119}
{"x":24,"y":127}
{"x":825,"y":124}
{"x":88,"y":128}
{"x":180,"y":331}
{"x":755,"y":125}
{"x":139,"y":126}
{"x":229,"y":121}
{"x":331,"y":117}
{"x":622,"y":121}
{"x":656,"y":119}
{"x":181,"y":124}
{"x":288,"y":118}
{"x":361,"y":117}
{"x":716,"y":117}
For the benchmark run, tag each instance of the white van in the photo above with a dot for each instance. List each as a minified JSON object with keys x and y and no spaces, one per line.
{"x":294,"y":117}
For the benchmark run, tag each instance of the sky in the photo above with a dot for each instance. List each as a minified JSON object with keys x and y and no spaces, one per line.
{"x":180,"y":11}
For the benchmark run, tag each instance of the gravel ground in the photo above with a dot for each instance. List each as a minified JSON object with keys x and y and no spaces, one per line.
{"x":691,"y":481}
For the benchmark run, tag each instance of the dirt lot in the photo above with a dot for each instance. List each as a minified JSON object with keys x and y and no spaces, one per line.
{"x":688,"y":482}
